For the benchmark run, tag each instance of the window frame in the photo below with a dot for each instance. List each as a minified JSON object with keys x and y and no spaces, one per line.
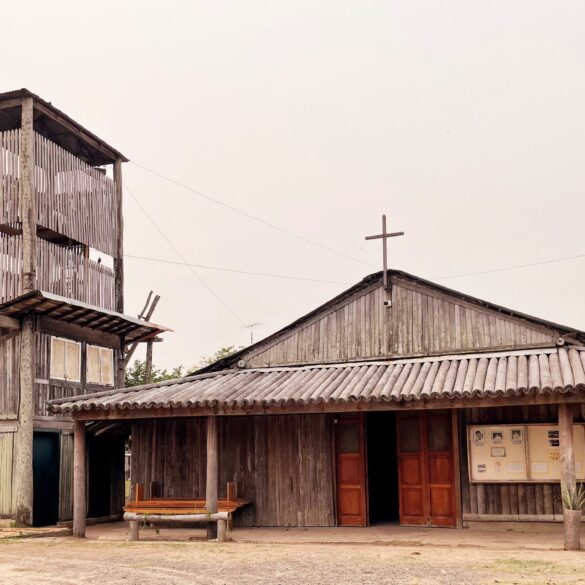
{"x":100,"y":348}
{"x":65,"y":341}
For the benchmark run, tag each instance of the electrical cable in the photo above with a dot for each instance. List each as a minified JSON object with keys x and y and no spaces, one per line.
{"x":180,"y":255}
{"x":250,"y":215}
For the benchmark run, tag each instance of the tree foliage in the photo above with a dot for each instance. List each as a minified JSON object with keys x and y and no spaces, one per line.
{"x":136,"y":373}
{"x":221,"y":353}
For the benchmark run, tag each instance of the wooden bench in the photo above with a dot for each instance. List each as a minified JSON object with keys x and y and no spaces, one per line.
{"x":181,"y":510}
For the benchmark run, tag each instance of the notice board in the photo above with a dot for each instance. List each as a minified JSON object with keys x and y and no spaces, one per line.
{"x":520,"y":453}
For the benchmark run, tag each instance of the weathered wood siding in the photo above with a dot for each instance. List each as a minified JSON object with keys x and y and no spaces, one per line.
{"x":421,"y":321}
{"x":47,"y":388}
{"x":508,"y":501}
{"x":6,"y":448}
{"x":64,"y":271}
{"x":73,"y":198}
{"x":9,"y":177}
{"x":9,"y":375}
{"x":66,"y":478}
{"x":10,"y":267}
{"x":282,"y":464}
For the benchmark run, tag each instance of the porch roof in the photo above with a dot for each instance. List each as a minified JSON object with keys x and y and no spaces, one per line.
{"x":74,"y":312}
{"x":537,"y":372}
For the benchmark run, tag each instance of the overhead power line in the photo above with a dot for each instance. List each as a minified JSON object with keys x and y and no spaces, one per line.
{"x":184,"y":261}
{"x":246,"y":272}
{"x":252,"y":216}
{"x":507,"y":268}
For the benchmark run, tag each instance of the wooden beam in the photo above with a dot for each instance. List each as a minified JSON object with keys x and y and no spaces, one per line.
{"x":79,"y":480}
{"x":27,"y":203}
{"x":9,"y":323}
{"x":13,"y":103}
{"x":212,"y":476}
{"x":170,"y":412}
{"x":22,"y":479}
{"x":79,"y":333}
{"x":77,"y":132}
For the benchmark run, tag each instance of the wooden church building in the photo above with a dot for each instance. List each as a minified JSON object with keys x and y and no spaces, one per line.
{"x":397,"y":401}
{"x":63,"y":330}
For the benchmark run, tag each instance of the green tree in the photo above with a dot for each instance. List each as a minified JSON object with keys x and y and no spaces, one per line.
{"x":221,"y":353}
{"x":136,"y":373}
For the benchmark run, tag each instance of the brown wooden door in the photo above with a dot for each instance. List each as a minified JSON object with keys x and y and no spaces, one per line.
{"x":425,"y":469}
{"x":351,"y":470}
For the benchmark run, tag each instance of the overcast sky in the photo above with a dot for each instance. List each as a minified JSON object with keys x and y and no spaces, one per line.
{"x":463,"y":121}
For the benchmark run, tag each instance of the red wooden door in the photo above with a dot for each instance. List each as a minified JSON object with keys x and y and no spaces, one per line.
{"x":425,"y":469}
{"x":351,"y":470}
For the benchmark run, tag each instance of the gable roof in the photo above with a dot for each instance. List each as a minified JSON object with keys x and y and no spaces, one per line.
{"x":371,"y":280}
{"x":74,"y":312}
{"x":58,"y":126}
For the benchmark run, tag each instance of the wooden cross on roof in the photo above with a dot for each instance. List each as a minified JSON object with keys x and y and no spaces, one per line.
{"x":384,"y":237}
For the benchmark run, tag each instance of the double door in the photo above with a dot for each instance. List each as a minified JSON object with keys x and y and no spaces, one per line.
{"x":425,"y":469}
{"x":425,"y":460}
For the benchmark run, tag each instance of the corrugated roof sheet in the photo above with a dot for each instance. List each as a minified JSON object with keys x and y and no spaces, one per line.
{"x":556,"y":370}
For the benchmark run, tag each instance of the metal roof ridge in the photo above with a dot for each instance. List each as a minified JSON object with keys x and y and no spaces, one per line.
{"x":398,"y":360}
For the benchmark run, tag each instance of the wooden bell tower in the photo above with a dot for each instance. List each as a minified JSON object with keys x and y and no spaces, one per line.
{"x":62,"y":325}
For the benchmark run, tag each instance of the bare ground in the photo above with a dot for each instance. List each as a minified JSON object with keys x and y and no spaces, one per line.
{"x":64,"y":561}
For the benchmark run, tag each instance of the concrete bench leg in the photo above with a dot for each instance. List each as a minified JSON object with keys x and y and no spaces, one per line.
{"x":133,"y":530}
{"x":221,"y":530}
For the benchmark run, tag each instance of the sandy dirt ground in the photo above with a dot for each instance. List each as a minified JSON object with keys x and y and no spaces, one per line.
{"x":64,"y":561}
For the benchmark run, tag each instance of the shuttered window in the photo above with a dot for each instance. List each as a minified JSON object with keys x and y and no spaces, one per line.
{"x":65,"y":359}
{"x":100,"y":365}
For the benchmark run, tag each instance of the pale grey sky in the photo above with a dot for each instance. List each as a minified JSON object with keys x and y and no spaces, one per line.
{"x":464,"y":121}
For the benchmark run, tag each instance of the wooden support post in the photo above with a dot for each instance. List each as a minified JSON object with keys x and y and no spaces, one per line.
{"x":212,"y":478}
{"x":27,"y":198}
{"x":119,"y":266}
{"x":572,"y":518}
{"x":22,"y":480}
{"x":79,"y":480}
{"x":22,"y":491}
{"x":567,"y":451}
{"x":456,"y":468}
{"x":134,"y":530}
{"x":148,"y":365}
{"x":221,"y":530}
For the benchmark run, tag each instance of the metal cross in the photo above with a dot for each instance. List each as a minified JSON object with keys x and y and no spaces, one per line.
{"x":384,"y":237}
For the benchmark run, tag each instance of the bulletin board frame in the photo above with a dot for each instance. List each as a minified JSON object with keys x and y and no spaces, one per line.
{"x":502,"y":453}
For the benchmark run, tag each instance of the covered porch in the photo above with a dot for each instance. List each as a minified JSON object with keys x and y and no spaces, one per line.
{"x":274,"y":432}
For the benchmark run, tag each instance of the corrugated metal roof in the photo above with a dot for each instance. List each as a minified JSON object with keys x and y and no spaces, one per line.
{"x":513,"y":373}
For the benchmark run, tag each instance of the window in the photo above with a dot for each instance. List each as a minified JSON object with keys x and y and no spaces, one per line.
{"x":100,"y":365}
{"x":65,"y":359}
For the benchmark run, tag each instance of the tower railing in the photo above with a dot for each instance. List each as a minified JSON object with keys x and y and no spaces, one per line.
{"x":64,"y":271}
{"x":71,"y":198}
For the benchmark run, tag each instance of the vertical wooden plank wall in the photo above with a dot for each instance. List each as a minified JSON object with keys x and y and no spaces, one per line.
{"x":9,"y":177}
{"x":66,"y":478}
{"x":10,"y":267}
{"x":282,"y":464}
{"x":6,"y":448}
{"x":74,"y":199}
{"x":9,"y":375}
{"x":512,"y":501}
{"x":422,"y":321}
